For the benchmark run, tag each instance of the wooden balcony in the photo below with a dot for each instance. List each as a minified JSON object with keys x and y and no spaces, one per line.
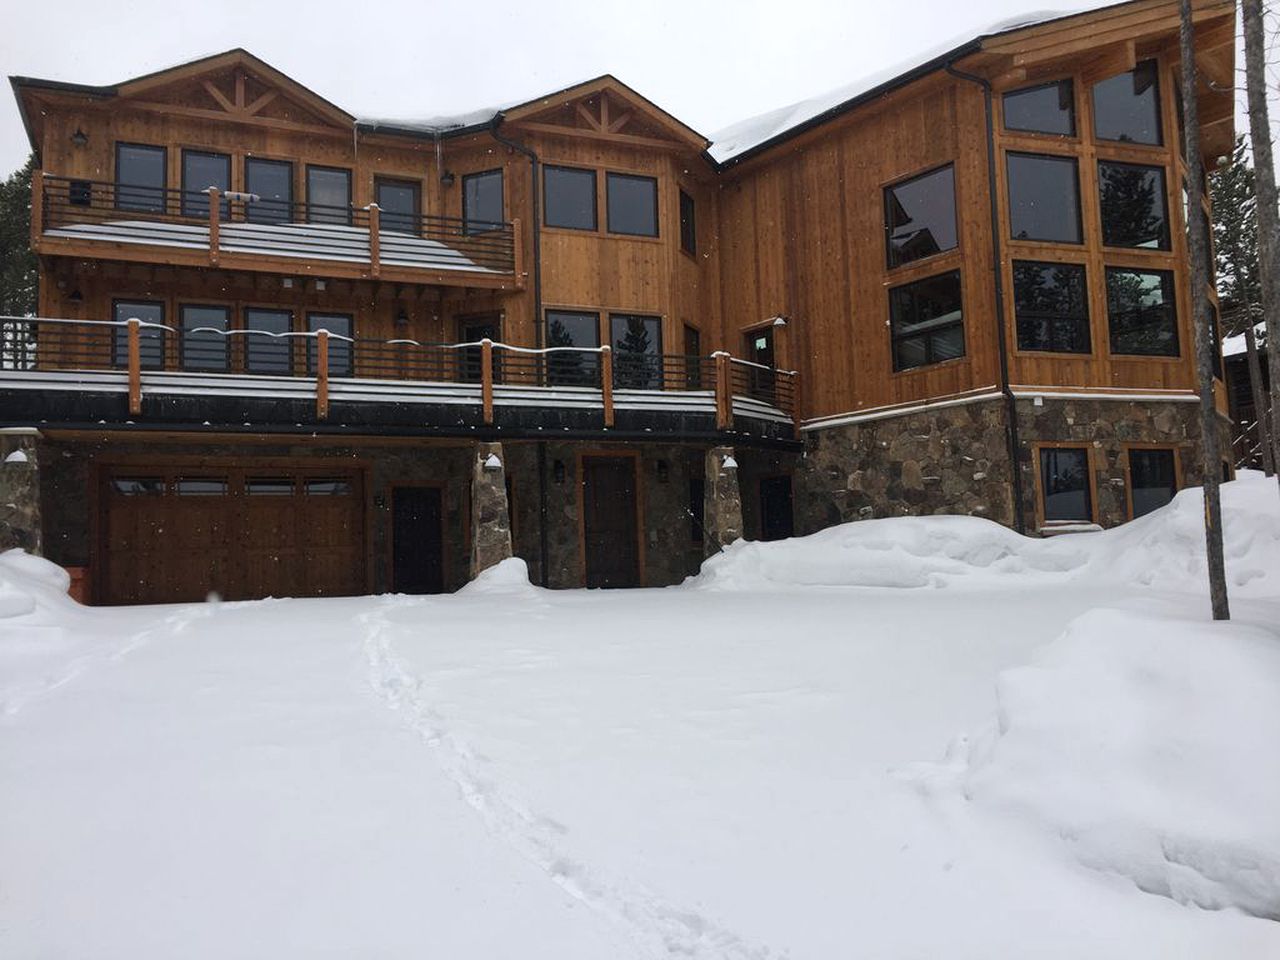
{"x":240,"y":231}
{"x":137,"y":375}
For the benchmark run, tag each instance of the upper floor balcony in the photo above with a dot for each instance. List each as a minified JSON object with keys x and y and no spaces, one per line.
{"x":131,"y":374}
{"x":241,"y":231}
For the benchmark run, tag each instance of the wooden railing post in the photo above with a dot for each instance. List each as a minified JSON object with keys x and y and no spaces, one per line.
{"x":322,"y":375}
{"x":517,"y":256}
{"x":606,"y":383}
{"x":375,"y":240}
{"x":486,"y":379}
{"x":215,"y":217}
{"x":135,"y":366}
{"x":795,"y":400}
{"x":724,"y":391}
{"x":37,"y":207}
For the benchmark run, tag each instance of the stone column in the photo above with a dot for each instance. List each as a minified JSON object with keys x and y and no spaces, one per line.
{"x":490,"y":515}
{"x":721,"y":501}
{"x":19,"y":493}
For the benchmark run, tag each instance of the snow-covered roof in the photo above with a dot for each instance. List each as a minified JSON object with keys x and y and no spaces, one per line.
{"x":1235,"y":345}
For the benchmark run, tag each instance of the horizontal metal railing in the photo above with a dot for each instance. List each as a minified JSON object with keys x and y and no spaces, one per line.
{"x":231,"y":222}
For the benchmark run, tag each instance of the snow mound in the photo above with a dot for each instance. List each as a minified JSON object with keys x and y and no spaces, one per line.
{"x":28,"y":583}
{"x":509,"y":577}
{"x":1145,"y":743}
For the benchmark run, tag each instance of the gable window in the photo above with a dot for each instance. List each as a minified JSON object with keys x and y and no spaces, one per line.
{"x":631,"y":204}
{"x":1064,"y":484}
{"x":482,"y":201}
{"x":688,"y":225}
{"x":637,"y":351}
{"x":1051,"y":305}
{"x":569,"y":198}
{"x":573,"y":328}
{"x":398,"y":205}
{"x":264,"y":353}
{"x":200,"y":171}
{"x":1047,"y":108}
{"x":271,"y":181}
{"x":328,"y":195}
{"x":1141,"y":313}
{"x":1127,"y":107}
{"x":926,"y":321}
{"x":920,"y":216}
{"x":1153,"y":479}
{"x":140,"y":177}
{"x":340,"y":353}
{"x":1044,"y":198}
{"x":1133,"y":203}
{"x":202,"y":347}
{"x":150,"y":339}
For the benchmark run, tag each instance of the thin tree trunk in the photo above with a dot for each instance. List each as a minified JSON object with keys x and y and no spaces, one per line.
{"x":1262,"y":421}
{"x":1264,"y":179}
{"x":1210,"y":448}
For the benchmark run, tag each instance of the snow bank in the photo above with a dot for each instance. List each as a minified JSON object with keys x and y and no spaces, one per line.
{"x":508,"y":577}
{"x":1147,"y":744}
{"x":29,"y":583}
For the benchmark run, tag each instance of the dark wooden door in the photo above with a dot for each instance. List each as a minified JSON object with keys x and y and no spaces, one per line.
{"x":776,"y":522}
{"x":417,"y":549}
{"x":471,"y":330}
{"x":759,"y":344}
{"x":610,"y":531}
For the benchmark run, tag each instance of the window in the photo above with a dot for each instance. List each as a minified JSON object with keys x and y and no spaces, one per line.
{"x":264,"y":353}
{"x":201,"y":487}
{"x":1064,"y":484}
{"x":140,"y":177}
{"x":138,"y":486}
{"x":328,"y":487}
{"x":632,"y":204}
{"x":1047,"y":108}
{"x":637,"y":351}
{"x":150,"y":339}
{"x":688,"y":225}
{"x":201,"y":347}
{"x":1044,"y":198}
{"x":340,"y":358}
{"x":398,"y":205}
{"x":920,"y":216}
{"x":1051,"y":305}
{"x":1141,"y":312}
{"x":1132,"y":201}
{"x":569,"y":198}
{"x":1127,"y":107}
{"x":697,"y":491}
{"x":926,"y":321}
{"x":328,"y":195}
{"x":201,"y":170}
{"x":269,"y":486}
{"x":272,"y":182}
{"x":482,"y":201}
{"x":573,"y":368}
{"x":1153,"y":479}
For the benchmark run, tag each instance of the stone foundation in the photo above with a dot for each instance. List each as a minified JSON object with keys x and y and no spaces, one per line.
{"x":722,"y":501}
{"x":490,"y":519}
{"x":20,"y":515}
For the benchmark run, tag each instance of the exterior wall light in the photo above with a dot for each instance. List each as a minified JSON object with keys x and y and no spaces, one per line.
{"x":447,"y":178}
{"x":729,"y":463}
{"x":491,"y":462}
{"x":79,"y":138}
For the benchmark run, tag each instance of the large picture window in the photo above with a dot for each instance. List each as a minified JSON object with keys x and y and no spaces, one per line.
{"x":631,"y":204}
{"x":271,"y":181}
{"x":1127,"y":107}
{"x":341,"y":360}
{"x":328,"y":195}
{"x":482,"y":201}
{"x":1064,"y":484}
{"x":150,"y":339}
{"x":1047,"y":108}
{"x":1141,"y":313}
{"x":1044,"y":198}
{"x":569,"y":198}
{"x":1133,"y":203}
{"x":264,"y":353}
{"x":637,"y":351}
{"x":200,"y":171}
{"x":926,"y":320}
{"x":140,"y":177}
{"x":920,"y":216}
{"x":1153,"y":479}
{"x":399,"y":205}
{"x":573,"y":328}
{"x":202,"y":347}
{"x":1051,"y":305}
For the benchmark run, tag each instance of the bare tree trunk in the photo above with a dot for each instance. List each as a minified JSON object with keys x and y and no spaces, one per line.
{"x":1210,"y":449}
{"x":1259,"y":394}
{"x":1264,"y":174}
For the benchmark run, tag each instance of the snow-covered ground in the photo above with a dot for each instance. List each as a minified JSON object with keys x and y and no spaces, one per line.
{"x":902,"y":738}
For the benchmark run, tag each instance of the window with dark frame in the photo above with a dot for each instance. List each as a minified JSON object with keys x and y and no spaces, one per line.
{"x":637,"y":351}
{"x":1133,"y":205}
{"x":399,"y":205}
{"x":341,"y":359}
{"x":482,"y":201}
{"x":1045,"y":108}
{"x":328,"y":195}
{"x":569,"y":198}
{"x":926,"y":320}
{"x":1141,"y":312}
{"x":264,"y":353}
{"x":1126,"y":107}
{"x":201,"y":347}
{"x":688,"y":225}
{"x":1153,"y":478}
{"x":200,"y":171}
{"x":140,"y":177}
{"x":271,"y":181}
{"x":631,"y":204}
{"x":1051,"y":306}
{"x":1044,"y":198}
{"x":1064,"y":485}
{"x":150,"y":339}
{"x":920,"y":216}
{"x":572,"y":368}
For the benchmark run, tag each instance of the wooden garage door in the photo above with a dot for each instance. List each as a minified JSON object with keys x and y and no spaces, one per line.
{"x":244,"y":532}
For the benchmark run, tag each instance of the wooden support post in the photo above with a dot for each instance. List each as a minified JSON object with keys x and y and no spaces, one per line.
{"x":322,"y":375}
{"x":606,"y":383}
{"x":375,"y":240}
{"x":724,"y":391}
{"x":517,"y":259}
{"x":135,"y":366}
{"x":37,"y":207}
{"x":795,"y":401}
{"x":486,"y":379}
{"x":215,"y":215}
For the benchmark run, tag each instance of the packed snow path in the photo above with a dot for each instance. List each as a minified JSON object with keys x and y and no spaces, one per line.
{"x":701,"y":772}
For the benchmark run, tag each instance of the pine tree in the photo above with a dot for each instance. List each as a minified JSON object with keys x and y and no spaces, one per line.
{"x":17,"y":262}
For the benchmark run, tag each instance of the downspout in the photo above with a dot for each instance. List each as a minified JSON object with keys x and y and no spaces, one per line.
{"x":1011,"y":406}
{"x":543,"y":550}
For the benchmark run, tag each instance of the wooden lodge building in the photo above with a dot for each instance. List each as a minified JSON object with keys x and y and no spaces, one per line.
{"x":281,"y":350}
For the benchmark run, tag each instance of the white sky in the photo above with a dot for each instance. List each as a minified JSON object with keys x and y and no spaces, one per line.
{"x":709,"y":63}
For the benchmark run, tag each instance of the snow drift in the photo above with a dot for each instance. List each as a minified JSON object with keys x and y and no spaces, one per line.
{"x":28,"y":584}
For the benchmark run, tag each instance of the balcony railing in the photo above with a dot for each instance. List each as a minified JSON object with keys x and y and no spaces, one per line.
{"x":229,"y":227}
{"x":140,"y":354}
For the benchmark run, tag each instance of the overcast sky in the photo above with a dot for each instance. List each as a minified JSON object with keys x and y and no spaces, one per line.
{"x":709,"y":63}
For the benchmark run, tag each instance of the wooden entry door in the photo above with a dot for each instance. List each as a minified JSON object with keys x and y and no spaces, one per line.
{"x":417,"y":548}
{"x":760,"y":349}
{"x":610,"y":530}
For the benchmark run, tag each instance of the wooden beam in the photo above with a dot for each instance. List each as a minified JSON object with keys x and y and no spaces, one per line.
{"x":198,"y":113}
{"x":618,"y":138}
{"x":593,"y":122}
{"x":240,"y":90}
{"x":261,"y":102}
{"x":135,"y":367}
{"x":215,"y":223}
{"x":486,"y":380}
{"x":219,"y":96}
{"x":606,"y":383}
{"x":517,"y":259}
{"x":724,"y":391}
{"x":37,"y":206}
{"x":618,"y":123}
{"x":322,"y":375}
{"x":375,"y":241}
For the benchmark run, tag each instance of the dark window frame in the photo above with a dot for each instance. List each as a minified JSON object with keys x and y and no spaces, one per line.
{"x":1074,"y":133}
{"x":688,"y":223}
{"x":193,"y":199}
{"x":1086,"y":319}
{"x":119,"y":343}
{"x":385,"y":215}
{"x":1171,"y":302}
{"x":484,"y":225}
{"x":1166,"y":238}
{"x":891,"y":261}
{"x":349,"y":368}
{"x":182,"y":338}
{"x":1143,"y":448}
{"x":1074,"y":162}
{"x":1159,"y":106}
{"x":609,"y":177}
{"x":1042,"y":488}
{"x":595,"y":198}
{"x":895,"y":336}
{"x":559,"y":371}
{"x":262,"y":204}
{"x":163,"y":197}
{"x":325,"y":207}
{"x":291,"y":363}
